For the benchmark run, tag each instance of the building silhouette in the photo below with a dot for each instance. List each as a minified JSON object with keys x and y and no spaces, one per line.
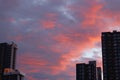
{"x":98,"y":72}
{"x":8,"y":62}
{"x":8,"y":55}
{"x":81,"y":71}
{"x":86,"y":71}
{"x":111,"y":55}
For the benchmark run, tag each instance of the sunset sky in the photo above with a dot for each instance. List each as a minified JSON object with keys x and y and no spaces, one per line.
{"x":53,"y":35}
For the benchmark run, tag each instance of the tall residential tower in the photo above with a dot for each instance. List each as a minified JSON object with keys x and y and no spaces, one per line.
{"x":86,"y":71}
{"x":111,"y":55}
{"x":8,"y":62}
{"x":8,"y":55}
{"x":99,"y":75}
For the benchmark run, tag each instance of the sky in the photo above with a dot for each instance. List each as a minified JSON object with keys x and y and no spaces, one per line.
{"x":53,"y":35}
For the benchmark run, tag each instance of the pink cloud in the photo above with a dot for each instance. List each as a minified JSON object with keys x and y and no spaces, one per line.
{"x":92,"y":15}
{"x":48,"y":24}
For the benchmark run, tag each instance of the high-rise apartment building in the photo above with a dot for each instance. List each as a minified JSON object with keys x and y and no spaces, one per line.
{"x":92,"y":70}
{"x":111,"y":55}
{"x":86,"y":71}
{"x":8,"y":55}
{"x":98,"y":72}
{"x":81,"y":71}
{"x":8,"y":62}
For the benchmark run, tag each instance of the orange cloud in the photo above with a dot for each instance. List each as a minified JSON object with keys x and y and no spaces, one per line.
{"x":19,"y":38}
{"x":92,"y":15}
{"x":49,"y":21}
{"x":32,"y":63}
{"x":111,"y":20}
{"x":74,"y":49}
{"x":48,"y":24}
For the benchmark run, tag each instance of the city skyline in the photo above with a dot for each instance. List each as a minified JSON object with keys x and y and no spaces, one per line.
{"x":53,"y":35}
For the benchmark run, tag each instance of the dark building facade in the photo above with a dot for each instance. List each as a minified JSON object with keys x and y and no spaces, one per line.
{"x":86,"y":71}
{"x":99,"y":76}
{"x":8,"y":55}
{"x":111,"y":55}
{"x":92,"y":70}
{"x":8,"y":62}
{"x":81,"y":71}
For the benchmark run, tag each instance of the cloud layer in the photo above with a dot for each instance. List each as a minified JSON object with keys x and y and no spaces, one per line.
{"x":53,"y":35}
